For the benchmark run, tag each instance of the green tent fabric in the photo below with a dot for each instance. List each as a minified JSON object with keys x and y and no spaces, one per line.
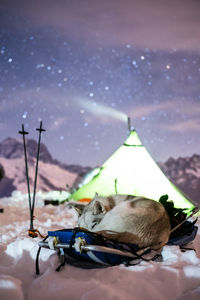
{"x":131,"y":170}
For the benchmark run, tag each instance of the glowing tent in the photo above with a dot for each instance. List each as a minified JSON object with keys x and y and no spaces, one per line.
{"x":131,"y":170}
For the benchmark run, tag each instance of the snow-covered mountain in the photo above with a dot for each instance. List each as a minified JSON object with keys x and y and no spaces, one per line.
{"x":184,"y":172}
{"x":52,"y":174}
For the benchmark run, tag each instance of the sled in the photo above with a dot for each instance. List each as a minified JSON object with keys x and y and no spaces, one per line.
{"x":91,"y":250}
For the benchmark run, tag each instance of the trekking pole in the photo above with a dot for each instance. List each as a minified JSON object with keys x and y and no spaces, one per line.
{"x":23,"y":133}
{"x":36,"y":168}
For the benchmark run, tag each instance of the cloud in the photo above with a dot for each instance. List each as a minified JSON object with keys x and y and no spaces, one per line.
{"x":57,"y":123}
{"x":173,"y":111}
{"x":184,"y":126}
{"x":155,"y":24}
{"x":39,"y":96}
{"x":100,"y":112}
{"x":2,"y":126}
{"x":180,"y":116}
{"x":177,"y":107}
{"x":148,"y":109}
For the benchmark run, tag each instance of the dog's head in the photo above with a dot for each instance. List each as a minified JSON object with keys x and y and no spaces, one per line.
{"x":93,"y":213}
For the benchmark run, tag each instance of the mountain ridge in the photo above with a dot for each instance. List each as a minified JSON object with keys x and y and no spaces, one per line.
{"x":184,"y":172}
{"x":13,"y":148}
{"x":52,"y":173}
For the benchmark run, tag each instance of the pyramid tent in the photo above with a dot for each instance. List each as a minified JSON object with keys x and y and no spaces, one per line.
{"x":131,"y":170}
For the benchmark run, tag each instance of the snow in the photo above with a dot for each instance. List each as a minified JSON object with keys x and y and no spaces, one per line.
{"x":195,"y":172}
{"x":177,"y":276}
{"x":15,"y":171}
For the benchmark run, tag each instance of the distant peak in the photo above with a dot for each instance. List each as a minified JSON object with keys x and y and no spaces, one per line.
{"x":13,"y":148}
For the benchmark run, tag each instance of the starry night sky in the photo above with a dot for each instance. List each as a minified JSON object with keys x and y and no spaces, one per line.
{"x":82,"y":66}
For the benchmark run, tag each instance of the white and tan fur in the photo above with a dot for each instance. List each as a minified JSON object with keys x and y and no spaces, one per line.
{"x":126,"y":218}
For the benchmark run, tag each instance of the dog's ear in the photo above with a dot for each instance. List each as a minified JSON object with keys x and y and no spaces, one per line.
{"x":94,"y":198}
{"x":79,"y":207}
{"x":98,"y":208}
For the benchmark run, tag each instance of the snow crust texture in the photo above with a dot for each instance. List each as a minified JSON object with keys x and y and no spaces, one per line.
{"x":177,"y":276}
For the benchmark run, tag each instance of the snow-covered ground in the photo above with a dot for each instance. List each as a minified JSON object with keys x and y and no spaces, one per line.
{"x":176,"y":277}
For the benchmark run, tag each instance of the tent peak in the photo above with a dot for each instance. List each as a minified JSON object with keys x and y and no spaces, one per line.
{"x":132,"y":139}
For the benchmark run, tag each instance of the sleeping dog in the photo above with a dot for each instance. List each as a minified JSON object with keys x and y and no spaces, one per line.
{"x":126,"y":218}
